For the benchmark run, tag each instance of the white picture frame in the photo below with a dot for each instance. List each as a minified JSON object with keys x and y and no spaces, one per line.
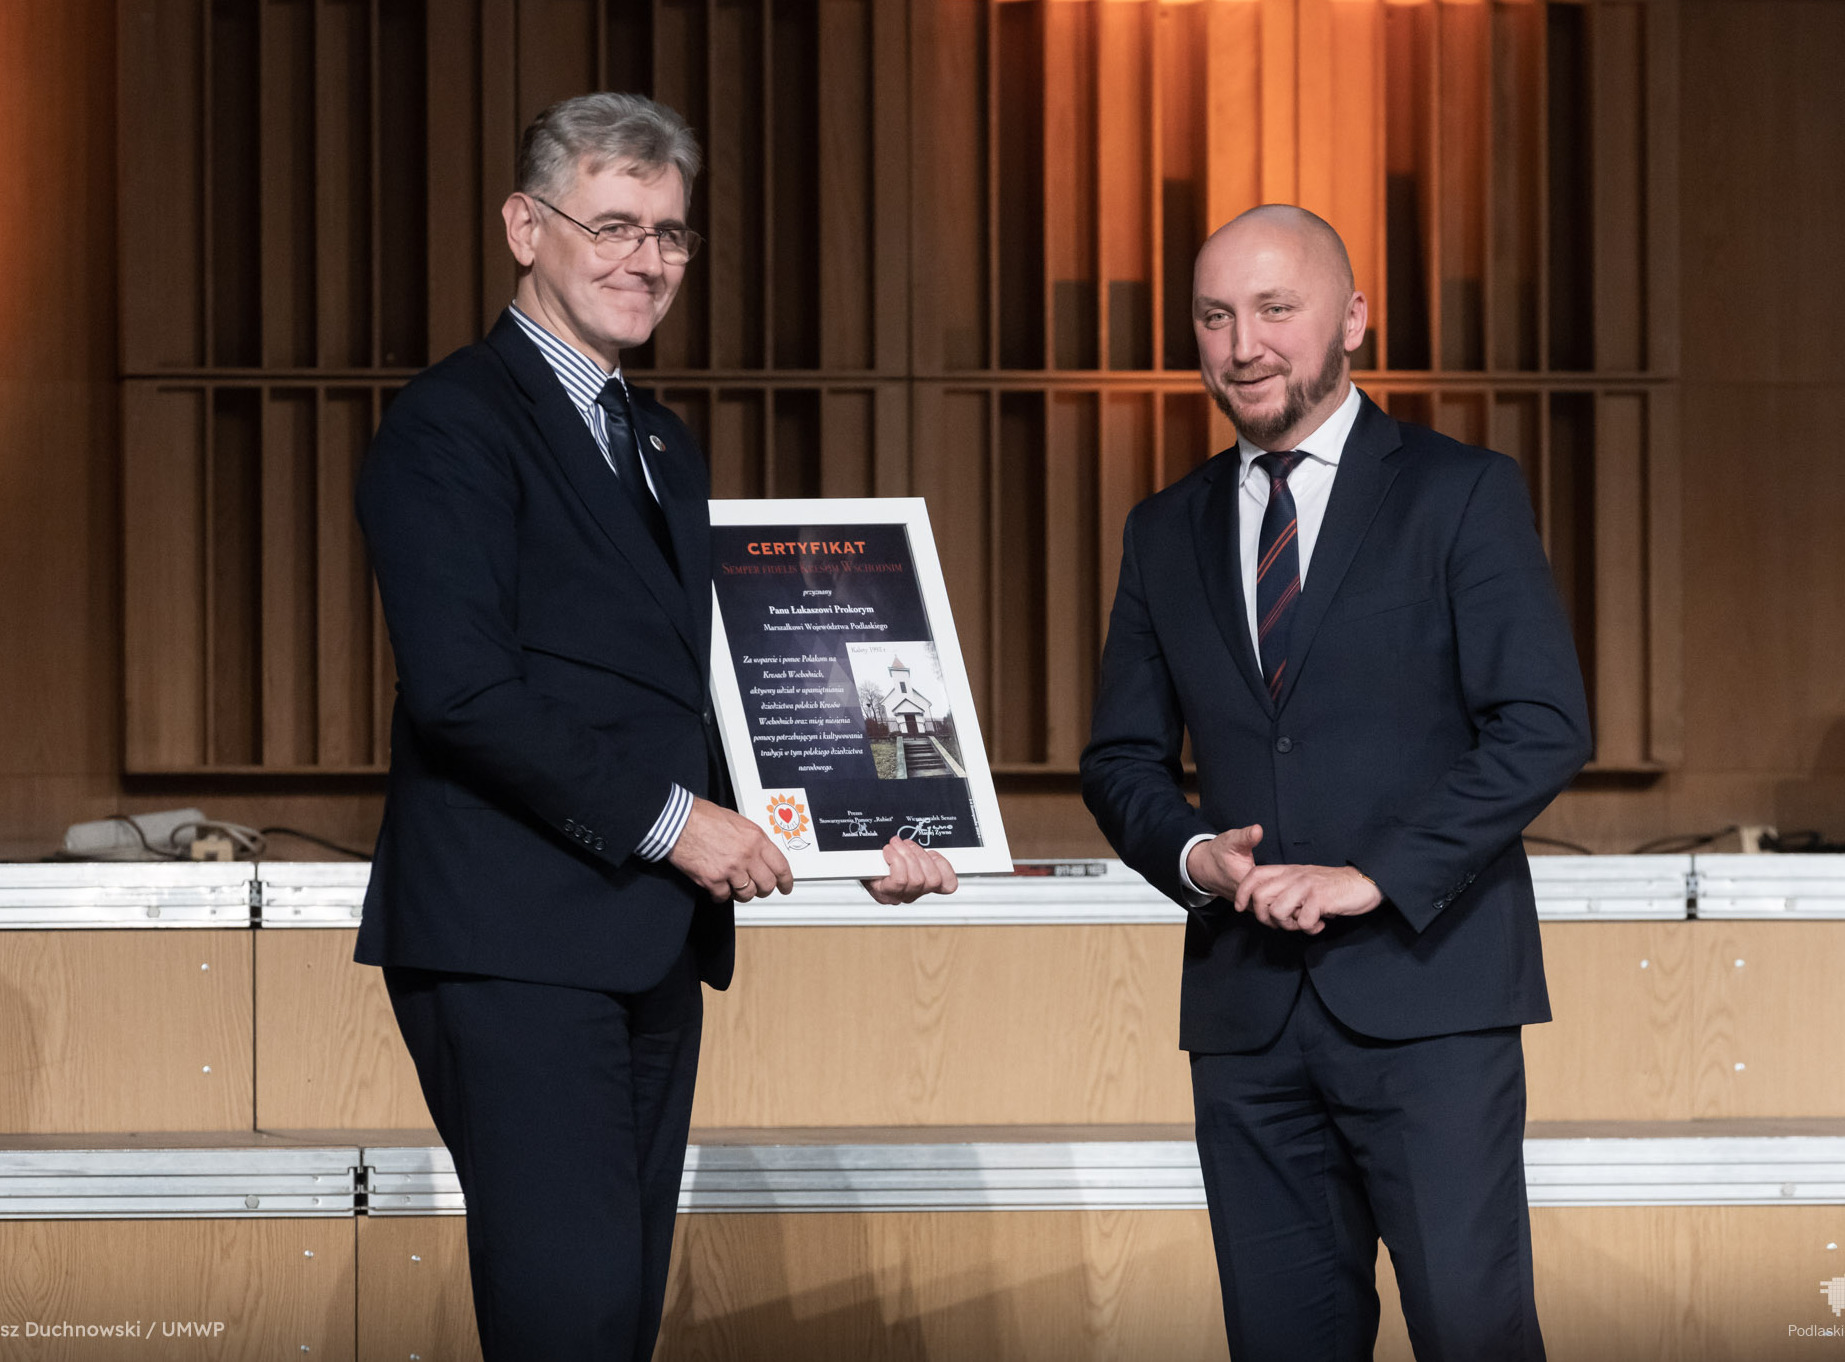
{"x":819,"y":630}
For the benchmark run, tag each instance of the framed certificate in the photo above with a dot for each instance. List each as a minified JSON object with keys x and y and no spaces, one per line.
{"x":840,"y":690}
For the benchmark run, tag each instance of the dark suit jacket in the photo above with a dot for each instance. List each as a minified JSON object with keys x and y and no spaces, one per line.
{"x":552,"y":683}
{"x":1433,"y":707}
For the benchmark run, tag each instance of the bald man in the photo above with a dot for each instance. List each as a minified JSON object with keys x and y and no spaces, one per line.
{"x":1353,"y":620}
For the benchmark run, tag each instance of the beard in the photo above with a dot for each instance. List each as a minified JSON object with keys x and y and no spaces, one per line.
{"x":1299,"y":396}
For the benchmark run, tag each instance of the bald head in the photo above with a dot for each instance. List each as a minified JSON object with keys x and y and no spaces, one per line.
{"x":1277,"y":318}
{"x":1310,"y":234}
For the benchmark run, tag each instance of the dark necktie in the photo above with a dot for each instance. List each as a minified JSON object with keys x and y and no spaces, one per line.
{"x":1277,"y":569}
{"x":625,"y":454}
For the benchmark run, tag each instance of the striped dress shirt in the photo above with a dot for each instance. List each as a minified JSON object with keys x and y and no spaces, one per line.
{"x":583,"y":380}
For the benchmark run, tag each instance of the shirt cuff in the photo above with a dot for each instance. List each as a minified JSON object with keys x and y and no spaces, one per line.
{"x":1196,"y":897}
{"x":658,"y":844}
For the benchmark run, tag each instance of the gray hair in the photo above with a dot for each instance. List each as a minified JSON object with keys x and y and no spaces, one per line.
{"x":594,"y":131}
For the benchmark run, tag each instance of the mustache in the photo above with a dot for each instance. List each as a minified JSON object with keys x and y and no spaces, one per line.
{"x":1249,"y":375}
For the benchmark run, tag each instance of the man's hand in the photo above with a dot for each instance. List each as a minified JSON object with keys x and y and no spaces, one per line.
{"x":1220,"y":866}
{"x":1299,"y":898}
{"x":728,"y":856}
{"x":914,"y":871}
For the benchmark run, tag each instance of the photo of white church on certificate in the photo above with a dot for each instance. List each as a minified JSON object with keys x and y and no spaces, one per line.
{"x":905,"y":703}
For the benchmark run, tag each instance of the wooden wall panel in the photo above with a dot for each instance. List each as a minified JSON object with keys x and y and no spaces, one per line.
{"x":328,"y":1053}
{"x":1755,"y":199}
{"x":1619,"y":1047}
{"x":114,"y":1030}
{"x":280,"y":1288}
{"x":414,"y":1298}
{"x":1767,"y":998}
{"x":1075,"y":1023}
{"x":1134,"y":1286}
{"x":1633,"y":1283}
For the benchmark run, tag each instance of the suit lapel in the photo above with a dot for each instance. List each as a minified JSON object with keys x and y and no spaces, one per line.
{"x":1358,"y":490}
{"x":567,"y":438}
{"x":687,"y":508}
{"x":1220,"y":560}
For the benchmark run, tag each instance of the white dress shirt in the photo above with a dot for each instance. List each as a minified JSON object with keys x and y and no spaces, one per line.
{"x":1311,"y":482}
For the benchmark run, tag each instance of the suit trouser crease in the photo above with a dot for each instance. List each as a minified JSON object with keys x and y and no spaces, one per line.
{"x":567,"y":1112}
{"x":1322,"y":1141}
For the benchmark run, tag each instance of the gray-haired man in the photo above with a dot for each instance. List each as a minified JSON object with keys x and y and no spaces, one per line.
{"x":555,"y":870}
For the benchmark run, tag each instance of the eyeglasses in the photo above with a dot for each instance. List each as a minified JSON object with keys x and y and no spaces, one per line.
{"x":619,"y":240}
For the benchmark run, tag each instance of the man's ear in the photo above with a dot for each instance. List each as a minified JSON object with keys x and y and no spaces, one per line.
{"x":521,"y":227}
{"x":1357,"y":317}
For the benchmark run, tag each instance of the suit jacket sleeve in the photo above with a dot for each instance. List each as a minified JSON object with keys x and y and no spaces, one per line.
{"x":438,"y":503}
{"x":1131,"y":768}
{"x":1523,"y":690}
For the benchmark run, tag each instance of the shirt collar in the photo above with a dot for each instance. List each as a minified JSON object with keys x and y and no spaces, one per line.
{"x":582,"y":377}
{"x":1325,"y":444}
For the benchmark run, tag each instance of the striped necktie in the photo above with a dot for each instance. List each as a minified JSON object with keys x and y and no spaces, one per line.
{"x":625,"y":454}
{"x":1277,"y":569}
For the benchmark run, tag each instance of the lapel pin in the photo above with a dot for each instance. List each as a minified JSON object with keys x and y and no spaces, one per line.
{"x":655,"y":439}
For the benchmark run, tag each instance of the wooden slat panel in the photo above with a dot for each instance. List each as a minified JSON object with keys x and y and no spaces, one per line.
{"x":342,"y":183}
{"x":845,"y":179}
{"x":1019,"y":170}
{"x":1620,"y":579}
{"x":501,"y":128}
{"x":680,"y":70}
{"x":115,"y":1030}
{"x":454,"y":202}
{"x":1233,"y":103}
{"x":1182,"y":177}
{"x":794,"y":182}
{"x":1517,"y":184}
{"x":163,"y":586}
{"x":1126,"y":477}
{"x":415,"y":1299}
{"x":1619,"y":169}
{"x":1341,"y":143}
{"x":847,"y":436}
{"x":401,"y":188}
{"x":891,"y":192}
{"x":328,"y":1053}
{"x":1076,"y":1024}
{"x":1124,"y":211}
{"x":290,"y":709}
{"x":1279,"y":126}
{"x":278,"y":1288}
{"x":556,"y":52}
{"x":739,"y":439}
{"x":1072,"y":304}
{"x":286,"y":35}
{"x":736,"y":259}
{"x":957,"y":489}
{"x":948,"y":151}
{"x":1618,"y":1049}
{"x":1073,"y":608}
{"x":233,"y":583}
{"x":160,"y":51}
{"x":343,"y":586}
{"x":233,"y":252}
{"x":1015,"y":729}
{"x":1665,"y":642}
{"x":1463,"y":119}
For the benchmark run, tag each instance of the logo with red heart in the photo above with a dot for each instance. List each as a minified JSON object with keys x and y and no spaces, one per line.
{"x":788,"y":818}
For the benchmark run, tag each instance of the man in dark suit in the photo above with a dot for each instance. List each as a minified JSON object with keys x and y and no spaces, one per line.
{"x":555,"y":870}
{"x":1353,"y":619}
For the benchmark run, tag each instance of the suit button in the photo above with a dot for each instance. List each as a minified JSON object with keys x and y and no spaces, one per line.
{"x":598,"y":844}
{"x":570,"y":826}
{"x":1284,"y":744}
